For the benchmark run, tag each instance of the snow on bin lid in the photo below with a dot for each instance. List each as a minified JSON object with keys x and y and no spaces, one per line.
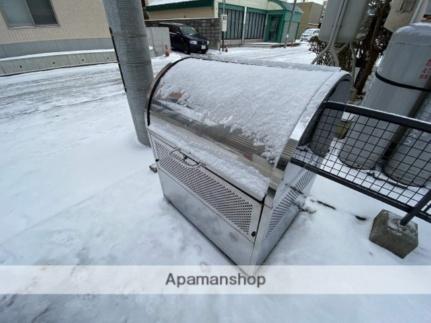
{"x":263,"y":101}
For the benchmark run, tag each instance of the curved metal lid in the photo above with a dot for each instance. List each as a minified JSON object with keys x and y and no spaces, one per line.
{"x":237,"y":117}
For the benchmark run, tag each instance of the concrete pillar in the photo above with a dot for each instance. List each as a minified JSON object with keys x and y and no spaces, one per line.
{"x":126,"y":22}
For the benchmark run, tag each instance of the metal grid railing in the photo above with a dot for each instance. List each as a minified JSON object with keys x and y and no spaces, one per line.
{"x":383,"y":155}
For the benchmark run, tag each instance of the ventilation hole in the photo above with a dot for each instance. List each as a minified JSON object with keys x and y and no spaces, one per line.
{"x":288,"y":201}
{"x":228,"y":204}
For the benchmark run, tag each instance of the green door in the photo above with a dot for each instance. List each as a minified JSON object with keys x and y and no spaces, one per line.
{"x":274,"y":23}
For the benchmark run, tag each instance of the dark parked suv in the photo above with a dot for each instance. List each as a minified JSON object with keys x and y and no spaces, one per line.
{"x":186,"y":38}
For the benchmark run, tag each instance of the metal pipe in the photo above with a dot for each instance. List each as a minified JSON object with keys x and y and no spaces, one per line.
{"x":223,"y":33}
{"x":290,"y":22}
{"x":126,"y":22}
{"x":417,"y":209}
{"x":244,"y":25}
{"x":330,"y":47}
{"x":420,"y":7}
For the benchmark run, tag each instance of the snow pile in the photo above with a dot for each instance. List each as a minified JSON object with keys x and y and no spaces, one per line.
{"x":233,"y":95}
{"x":298,"y":54}
{"x":217,"y":159}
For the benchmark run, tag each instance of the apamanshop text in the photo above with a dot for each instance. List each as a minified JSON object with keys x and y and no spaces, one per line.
{"x":215,"y":280}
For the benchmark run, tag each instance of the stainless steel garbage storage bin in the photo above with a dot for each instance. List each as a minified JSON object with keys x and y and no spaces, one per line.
{"x":222,"y":133}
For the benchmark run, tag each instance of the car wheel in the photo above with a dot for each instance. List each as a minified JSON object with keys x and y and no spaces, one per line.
{"x":204,"y":51}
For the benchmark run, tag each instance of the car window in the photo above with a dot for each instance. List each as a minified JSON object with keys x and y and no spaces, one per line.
{"x":171,"y":28}
{"x":188,"y":30}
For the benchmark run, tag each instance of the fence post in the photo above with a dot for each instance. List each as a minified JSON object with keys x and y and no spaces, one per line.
{"x":406,"y":219}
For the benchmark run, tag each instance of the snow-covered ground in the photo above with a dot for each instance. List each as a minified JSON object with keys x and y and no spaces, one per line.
{"x":75,"y":189}
{"x":299,"y":54}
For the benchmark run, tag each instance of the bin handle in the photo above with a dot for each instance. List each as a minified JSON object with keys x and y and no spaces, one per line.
{"x":183,"y":158}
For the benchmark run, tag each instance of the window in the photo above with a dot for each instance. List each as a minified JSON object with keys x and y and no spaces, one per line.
{"x":234,"y":22}
{"x":188,"y":30}
{"x":20,"y":13}
{"x":16,"y":13}
{"x":172,"y":29}
{"x":42,"y":12}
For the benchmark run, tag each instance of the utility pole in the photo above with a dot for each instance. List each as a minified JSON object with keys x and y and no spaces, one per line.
{"x":223,"y":27}
{"x":290,"y":22}
{"x":127,"y":27}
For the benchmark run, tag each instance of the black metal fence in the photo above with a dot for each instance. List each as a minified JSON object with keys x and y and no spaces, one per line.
{"x":383,"y":155}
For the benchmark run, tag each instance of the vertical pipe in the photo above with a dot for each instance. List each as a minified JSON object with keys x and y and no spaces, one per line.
{"x":419,"y":11}
{"x":418,"y":207}
{"x":330,"y":47}
{"x":223,"y":33}
{"x":290,"y":22}
{"x":244,"y":24}
{"x":126,"y":22}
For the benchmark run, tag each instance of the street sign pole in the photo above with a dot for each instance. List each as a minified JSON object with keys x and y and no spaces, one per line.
{"x":223,"y":25}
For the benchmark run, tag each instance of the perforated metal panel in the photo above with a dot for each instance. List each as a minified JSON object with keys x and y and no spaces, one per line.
{"x":288,"y":201}
{"x":226,"y":200}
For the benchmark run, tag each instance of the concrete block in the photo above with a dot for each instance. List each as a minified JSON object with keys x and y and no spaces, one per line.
{"x":341,"y":128}
{"x":388,"y":233}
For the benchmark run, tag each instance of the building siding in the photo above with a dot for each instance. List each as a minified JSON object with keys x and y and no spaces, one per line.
{"x":200,"y":12}
{"x":311,"y":15}
{"x":82,"y":25}
{"x":77,"y":19}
